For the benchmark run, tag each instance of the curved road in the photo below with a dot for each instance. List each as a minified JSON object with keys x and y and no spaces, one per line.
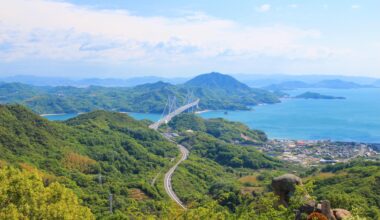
{"x":168,"y":177}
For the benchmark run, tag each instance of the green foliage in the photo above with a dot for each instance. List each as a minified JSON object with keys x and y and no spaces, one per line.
{"x":314,"y":95}
{"x":24,"y":196}
{"x":219,"y":91}
{"x":227,"y":154}
{"x":234,"y":132}
{"x":196,"y":181}
{"x":354,"y":187}
{"x":94,"y":154}
{"x":188,"y":121}
{"x":150,"y":97}
{"x":219,"y":140}
{"x":228,"y":131}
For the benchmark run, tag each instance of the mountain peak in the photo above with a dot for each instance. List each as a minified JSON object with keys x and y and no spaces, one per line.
{"x":216,"y":80}
{"x":156,"y":85}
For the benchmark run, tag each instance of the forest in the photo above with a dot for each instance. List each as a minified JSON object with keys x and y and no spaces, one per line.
{"x":150,"y":97}
{"x":77,"y":164}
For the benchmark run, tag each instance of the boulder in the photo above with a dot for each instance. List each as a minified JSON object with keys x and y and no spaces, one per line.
{"x":284,"y":186}
{"x":341,"y":214}
{"x":326,"y":210}
{"x":308,"y":207}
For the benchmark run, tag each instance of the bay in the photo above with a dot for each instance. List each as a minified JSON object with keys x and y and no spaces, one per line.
{"x":356,"y":118}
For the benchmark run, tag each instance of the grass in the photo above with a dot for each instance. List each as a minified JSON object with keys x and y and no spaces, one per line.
{"x":248,"y":179}
{"x":251,"y":190}
{"x":137,"y":194}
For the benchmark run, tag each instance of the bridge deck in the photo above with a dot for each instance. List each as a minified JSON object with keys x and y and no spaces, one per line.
{"x":169,"y":117}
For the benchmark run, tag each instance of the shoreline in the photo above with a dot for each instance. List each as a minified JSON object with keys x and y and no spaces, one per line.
{"x":202,"y":111}
{"x":50,"y":114}
{"x":270,"y":137}
{"x":56,"y":114}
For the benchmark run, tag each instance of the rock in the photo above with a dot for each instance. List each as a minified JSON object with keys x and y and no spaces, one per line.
{"x":319,"y":207}
{"x":341,"y":214}
{"x":326,"y":210}
{"x":284,"y":186}
{"x":308,"y":207}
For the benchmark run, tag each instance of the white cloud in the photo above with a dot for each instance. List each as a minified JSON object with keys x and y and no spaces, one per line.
{"x":63,"y":31}
{"x":355,"y":6}
{"x":293,"y":5}
{"x":264,"y":8}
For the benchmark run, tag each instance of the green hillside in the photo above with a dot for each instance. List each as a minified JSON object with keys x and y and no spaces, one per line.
{"x":354,"y":185}
{"x":227,"y":143}
{"x":220,"y":92}
{"x":95,"y":154}
{"x":229,"y":131}
{"x":89,"y":157}
{"x":99,"y":153}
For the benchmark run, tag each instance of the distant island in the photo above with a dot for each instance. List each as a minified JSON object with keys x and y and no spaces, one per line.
{"x":315,"y":95}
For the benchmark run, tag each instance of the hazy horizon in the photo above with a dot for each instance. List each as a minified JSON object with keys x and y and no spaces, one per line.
{"x":188,"y":76}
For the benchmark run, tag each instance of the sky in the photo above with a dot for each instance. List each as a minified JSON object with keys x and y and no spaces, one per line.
{"x":177,"y":38}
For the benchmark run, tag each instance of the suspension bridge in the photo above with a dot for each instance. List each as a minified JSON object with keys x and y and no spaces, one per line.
{"x":191,"y":103}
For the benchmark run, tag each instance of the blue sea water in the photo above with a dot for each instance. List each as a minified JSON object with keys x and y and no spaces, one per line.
{"x":59,"y":117}
{"x":138,"y":116}
{"x":356,"y":118}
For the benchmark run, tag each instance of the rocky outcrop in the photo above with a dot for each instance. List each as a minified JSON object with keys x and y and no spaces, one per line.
{"x":284,"y":186}
{"x":341,"y":214}
{"x":326,"y":210}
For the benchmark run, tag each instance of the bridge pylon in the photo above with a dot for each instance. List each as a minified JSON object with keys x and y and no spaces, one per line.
{"x":171,"y":108}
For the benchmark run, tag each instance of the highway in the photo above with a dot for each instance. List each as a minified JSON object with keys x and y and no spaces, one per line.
{"x":168,"y":176}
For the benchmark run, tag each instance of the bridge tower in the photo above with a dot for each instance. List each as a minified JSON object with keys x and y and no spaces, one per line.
{"x":189,"y":99}
{"x":171,"y":110}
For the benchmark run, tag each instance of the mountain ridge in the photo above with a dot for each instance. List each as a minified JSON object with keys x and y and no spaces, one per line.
{"x":150,"y":97}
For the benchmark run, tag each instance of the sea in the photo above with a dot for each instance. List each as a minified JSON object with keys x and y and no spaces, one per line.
{"x":356,"y":118}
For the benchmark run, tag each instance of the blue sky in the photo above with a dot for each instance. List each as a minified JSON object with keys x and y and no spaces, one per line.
{"x":122,"y":38}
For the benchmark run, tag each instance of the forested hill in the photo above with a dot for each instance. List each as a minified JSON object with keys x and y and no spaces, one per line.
{"x":101,"y":152}
{"x":353,"y":185}
{"x":216,"y":91}
{"x":227,"y":143}
{"x":94,"y":154}
{"x":220,"y":91}
{"x":217,"y":81}
{"x":69,"y":169}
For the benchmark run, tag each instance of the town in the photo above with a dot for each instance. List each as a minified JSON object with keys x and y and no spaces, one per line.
{"x":312,"y":152}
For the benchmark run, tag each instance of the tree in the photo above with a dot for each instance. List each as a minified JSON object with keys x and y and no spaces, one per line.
{"x":24,"y":196}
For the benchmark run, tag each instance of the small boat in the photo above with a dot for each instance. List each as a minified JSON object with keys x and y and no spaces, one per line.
{"x":226,"y":113}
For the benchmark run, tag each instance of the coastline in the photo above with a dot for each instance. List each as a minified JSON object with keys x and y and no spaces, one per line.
{"x":202,"y":111}
{"x":43,"y":115}
{"x":56,"y":114}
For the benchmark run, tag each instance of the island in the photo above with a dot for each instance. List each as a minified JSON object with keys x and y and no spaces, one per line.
{"x":315,"y":95}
